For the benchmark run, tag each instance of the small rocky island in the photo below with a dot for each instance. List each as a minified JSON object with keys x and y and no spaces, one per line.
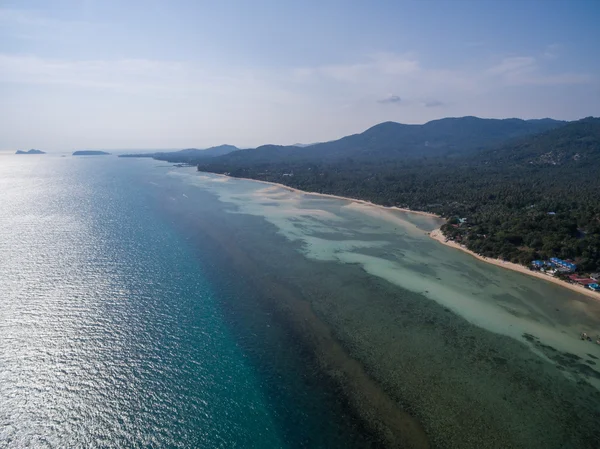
{"x":90,"y":153}
{"x":32,"y":151}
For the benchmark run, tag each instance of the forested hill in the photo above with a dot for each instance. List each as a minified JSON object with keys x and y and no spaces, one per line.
{"x":576,"y":144}
{"x":392,"y":140}
{"x":189,"y":155}
{"x":535,"y":197}
{"x":450,"y":135}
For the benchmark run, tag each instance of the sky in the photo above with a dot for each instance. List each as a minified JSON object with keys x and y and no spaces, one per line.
{"x":110,"y":74}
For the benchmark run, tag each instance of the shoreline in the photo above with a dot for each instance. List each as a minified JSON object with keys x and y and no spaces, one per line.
{"x":437,"y":235}
{"x":337,"y":197}
{"x":382,"y":362}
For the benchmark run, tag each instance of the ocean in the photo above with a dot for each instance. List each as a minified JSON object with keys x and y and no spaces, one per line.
{"x":147,"y":305}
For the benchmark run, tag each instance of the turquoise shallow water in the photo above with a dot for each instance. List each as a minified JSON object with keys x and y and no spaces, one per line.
{"x":480,"y":356}
{"x":113,"y":331}
{"x":143,"y":305}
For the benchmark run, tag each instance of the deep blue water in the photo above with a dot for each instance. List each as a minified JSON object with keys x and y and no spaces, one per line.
{"x":144,"y":305}
{"x":120,"y":325}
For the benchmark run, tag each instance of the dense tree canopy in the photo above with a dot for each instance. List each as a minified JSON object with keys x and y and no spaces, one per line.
{"x":534,"y":198}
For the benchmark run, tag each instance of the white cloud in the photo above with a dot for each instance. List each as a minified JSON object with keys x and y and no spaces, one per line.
{"x":142,"y":77}
{"x":377,"y":64}
{"x":385,"y":72}
{"x":524,"y":71}
{"x":153,"y":103}
{"x":374,"y":77}
{"x":331,"y":86}
{"x":516,"y":64}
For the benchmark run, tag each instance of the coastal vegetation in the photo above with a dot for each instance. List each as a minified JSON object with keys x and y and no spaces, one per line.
{"x":525,"y":198}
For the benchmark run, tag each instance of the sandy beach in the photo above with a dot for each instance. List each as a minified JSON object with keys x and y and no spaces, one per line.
{"x":337,"y":197}
{"x":421,"y":321}
{"x":439,"y":236}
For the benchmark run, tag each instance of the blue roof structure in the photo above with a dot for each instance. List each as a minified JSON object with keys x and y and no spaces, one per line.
{"x":563,"y":263}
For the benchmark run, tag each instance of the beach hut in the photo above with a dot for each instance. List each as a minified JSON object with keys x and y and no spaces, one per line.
{"x":566,"y":266}
{"x":582,"y":281}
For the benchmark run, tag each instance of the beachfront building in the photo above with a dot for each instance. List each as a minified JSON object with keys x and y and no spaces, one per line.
{"x":544,"y":266}
{"x":586,"y":282}
{"x":563,"y":265}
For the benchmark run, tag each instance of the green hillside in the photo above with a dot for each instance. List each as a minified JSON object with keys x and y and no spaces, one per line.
{"x":187,"y":156}
{"x":535,"y":197}
{"x":393,"y":141}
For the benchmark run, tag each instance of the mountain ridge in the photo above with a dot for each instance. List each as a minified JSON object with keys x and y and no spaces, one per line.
{"x":397,"y":140}
{"x":187,"y":155}
{"x":531,"y":197}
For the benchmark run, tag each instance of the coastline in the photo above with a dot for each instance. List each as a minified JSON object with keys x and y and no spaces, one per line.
{"x":391,"y":352}
{"x":438,"y":236}
{"x":337,"y":197}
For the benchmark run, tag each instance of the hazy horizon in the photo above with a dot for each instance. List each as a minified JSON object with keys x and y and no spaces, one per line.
{"x":158,"y":75}
{"x":120,"y":150}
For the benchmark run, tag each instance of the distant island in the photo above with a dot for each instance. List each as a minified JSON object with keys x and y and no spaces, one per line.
{"x":32,"y":151}
{"x":90,"y":153}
